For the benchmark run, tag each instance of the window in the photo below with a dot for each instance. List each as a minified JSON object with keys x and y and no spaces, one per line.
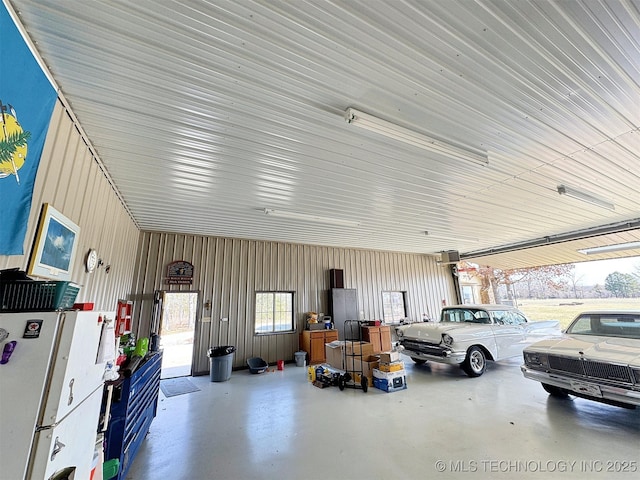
{"x":274,"y":312}
{"x":465,"y":315}
{"x":393,"y":306}
{"x":467,"y":294}
{"x":610,"y":325}
{"x":519,"y":319}
{"x":586,"y":325}
{"x":501,"y":317}
{"x":508,"y":318}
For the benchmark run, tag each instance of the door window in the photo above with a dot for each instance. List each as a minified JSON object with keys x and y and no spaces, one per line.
{"x":393,"y":306}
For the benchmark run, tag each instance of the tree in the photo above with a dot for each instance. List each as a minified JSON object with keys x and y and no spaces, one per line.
{"x":548,"y":278}
{"x":573,"y":280}
{"x":597,"y":291}
{"x":636,"y":271}
{"x":622,"y":284}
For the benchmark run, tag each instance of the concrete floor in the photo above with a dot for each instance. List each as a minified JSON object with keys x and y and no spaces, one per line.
{"x":276,"y":425}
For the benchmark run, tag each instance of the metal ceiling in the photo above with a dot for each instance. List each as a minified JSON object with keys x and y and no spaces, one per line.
{"x":206,"y":113}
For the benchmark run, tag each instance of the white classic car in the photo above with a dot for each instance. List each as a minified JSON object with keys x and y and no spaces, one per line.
{"x":597,"y":358}
{"x":469,"y":335}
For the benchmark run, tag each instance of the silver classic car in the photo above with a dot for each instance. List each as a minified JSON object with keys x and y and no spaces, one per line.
{"x":469,"y":335}
{"x":597,"y":358}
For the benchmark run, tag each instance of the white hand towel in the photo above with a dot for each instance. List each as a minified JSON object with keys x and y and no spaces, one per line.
{"x":107,"y":348}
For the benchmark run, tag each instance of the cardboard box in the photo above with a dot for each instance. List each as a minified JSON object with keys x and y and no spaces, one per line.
{"x":389,"y":381}
{"x":334,"y":353}
{"x":390,"y":357}
{"x":356,"y":379}
{"x":393,"y":385}
{"x":377,"y":373}
{"x":366,"y":365}
{"x":357,"y":348}
{"x":391,"y":367}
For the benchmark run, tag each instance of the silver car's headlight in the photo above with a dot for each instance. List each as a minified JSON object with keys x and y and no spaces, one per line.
{"x":536,"y":359}
{"x":400,"y":333}
{"x":447,"y":339}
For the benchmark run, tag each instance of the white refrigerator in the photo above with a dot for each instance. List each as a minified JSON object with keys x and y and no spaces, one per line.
{"x":50,"y":394}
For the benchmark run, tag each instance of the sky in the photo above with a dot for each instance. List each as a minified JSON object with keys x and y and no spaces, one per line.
{"x":595,"y":272}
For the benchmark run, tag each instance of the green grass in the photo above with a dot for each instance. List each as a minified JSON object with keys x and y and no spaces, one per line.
{"x":553,"y":310}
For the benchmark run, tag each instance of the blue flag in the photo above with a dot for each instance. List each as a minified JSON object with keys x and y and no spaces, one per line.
{"x":27,"y":99}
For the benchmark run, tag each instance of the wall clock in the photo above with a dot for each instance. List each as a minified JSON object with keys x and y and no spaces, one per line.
{"x":91,"y":262}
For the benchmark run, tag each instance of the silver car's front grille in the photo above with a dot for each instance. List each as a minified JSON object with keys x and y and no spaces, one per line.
{"x":607,"y":371}
{"x":569,"y":365}
{"x":591,"y":369}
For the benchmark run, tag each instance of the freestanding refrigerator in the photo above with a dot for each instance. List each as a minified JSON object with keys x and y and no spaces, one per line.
{"x":50,"y":394}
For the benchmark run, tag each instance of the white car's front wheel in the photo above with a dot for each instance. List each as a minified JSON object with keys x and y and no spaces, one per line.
{"x":475,"y":363}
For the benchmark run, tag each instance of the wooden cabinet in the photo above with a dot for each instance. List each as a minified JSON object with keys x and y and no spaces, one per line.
{"x":312,"y":342}
{"x":379,"y":337}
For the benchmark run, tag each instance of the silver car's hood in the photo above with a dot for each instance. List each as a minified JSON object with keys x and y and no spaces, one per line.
{"x":432,"y":331}
{"x":598,"y":348}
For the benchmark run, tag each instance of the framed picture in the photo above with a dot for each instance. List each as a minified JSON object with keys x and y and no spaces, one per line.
{"x":55,"y":245}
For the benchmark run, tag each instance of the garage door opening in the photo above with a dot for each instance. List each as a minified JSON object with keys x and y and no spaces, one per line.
{"x":177,"y":330}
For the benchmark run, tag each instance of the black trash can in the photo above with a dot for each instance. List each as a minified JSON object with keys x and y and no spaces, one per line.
{"x":221,"y":363}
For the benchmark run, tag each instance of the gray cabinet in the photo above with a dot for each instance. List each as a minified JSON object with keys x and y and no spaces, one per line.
{"x":344,"y":306}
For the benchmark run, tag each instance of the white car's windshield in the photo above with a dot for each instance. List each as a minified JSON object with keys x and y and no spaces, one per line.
{"x":608,"y":325}
{"x":468,"y":315}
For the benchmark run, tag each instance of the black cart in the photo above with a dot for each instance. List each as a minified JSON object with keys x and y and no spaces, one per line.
{"x":354,"y":374}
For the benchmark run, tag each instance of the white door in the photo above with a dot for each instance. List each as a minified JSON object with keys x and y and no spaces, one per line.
{"x":71,"y":443}
{"x":75,"y":372}
{"x":177,"y":332}
{"x":509,"y":333}
{"x":23,"y":377}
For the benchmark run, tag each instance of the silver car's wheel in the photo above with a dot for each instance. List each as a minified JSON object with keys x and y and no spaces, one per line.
{"x":418,"y":361}
{"x":475,"y":363}
{"x":555,"y":391}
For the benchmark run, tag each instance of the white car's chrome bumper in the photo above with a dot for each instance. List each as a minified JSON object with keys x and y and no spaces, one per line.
{"x":584,"y":387}
{"x":434,"y":353}
{"x":454,"y":359}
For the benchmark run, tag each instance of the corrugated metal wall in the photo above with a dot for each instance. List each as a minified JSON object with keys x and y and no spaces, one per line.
{"x":70,"y":179}
{"x":228,"y":272}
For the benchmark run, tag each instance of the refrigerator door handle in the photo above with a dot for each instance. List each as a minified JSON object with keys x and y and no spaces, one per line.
{"x":57,"y":447}
{"x":70,"y":401}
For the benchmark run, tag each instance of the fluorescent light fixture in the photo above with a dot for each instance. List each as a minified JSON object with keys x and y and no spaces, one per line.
{"x":585,"y":197}
{"x":310,"y":218}
{"x":388,"y":129}
{"x":611,"y":248}
{"x":450,"y":236}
